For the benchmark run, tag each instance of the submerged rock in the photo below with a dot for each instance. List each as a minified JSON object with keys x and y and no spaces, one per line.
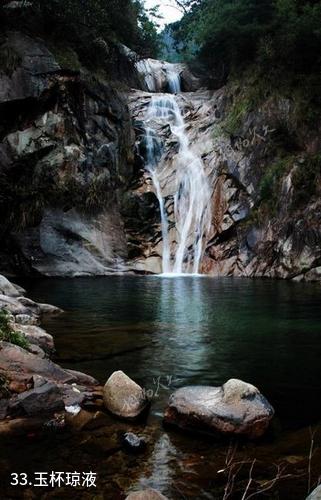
{"x":235,"y":408}
{"x":123,"y":397}
{"x":133,"y":443}
{"x":149,"y":494}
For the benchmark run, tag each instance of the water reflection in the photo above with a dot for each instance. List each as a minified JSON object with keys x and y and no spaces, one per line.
{"x":161,"y":465}
{"x":194,"y":330}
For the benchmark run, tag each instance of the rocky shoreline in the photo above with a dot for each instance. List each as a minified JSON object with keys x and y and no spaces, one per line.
{"x":34,"y":388}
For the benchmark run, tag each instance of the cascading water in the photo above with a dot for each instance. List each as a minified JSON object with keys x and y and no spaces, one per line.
{"x":192,"y":196}
{"x":153,"y":155}
{"x":174,"y":82}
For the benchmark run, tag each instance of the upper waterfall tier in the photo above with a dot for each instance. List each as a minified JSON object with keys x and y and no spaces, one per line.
{"x":161,"y":76}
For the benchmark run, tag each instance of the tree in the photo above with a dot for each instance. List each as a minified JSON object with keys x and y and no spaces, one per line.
{"x":284,"y":34}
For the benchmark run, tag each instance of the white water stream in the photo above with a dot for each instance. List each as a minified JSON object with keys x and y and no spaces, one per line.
{"x":192,"y":213}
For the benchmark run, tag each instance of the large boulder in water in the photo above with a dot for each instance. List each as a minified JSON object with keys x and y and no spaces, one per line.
{"x":235,"y":408}
{"x":123,"y":397}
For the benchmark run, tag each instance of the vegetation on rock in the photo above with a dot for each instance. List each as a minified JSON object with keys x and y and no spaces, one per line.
{"x":7,"y":333}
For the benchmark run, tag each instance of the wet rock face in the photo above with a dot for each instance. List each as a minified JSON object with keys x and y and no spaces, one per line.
{"x":67,"y":139}
{"x":236,"y":408}
{"x":123,"y":397}
{"x":76,"y":199}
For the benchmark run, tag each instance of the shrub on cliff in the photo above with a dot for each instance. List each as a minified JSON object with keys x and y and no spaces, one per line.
{"x":7,"y":334}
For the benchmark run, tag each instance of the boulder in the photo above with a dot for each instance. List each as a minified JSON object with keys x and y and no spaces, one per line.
{"x":123,"y":397}
{"x":13,"y":305}
{"x":7,"y":288}
{"x":316,"y":494}
{"x":149,"y":494}
{"x":15,"y":360}
{"x":190,"y":82}
{"x":27,"y":319}
{"x":35,"y":349}
{"x":236,"y":408}
{"x":82,"y":378}
{"x":48,"y":309}
{"x":24,"y":310}
{"x":34,"y":65}
{"x":36,"y":335}
{"x":44,"y":399}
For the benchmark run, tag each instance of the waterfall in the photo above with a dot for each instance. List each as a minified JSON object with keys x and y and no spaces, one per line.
{"x":192,"y":213}
{"x":153,"y":155}
{"x":159,"y":75}
{"x":174,"y":82}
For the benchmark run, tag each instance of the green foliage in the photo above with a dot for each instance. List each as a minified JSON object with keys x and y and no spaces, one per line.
{"x":9,"y":60}
{"x":270,"y":184}
{"x":305,"y":180}
{"x":278,"y":35}
{"x":66,"y":57}
{"x":294,"y":41}
{"x":22,"y":203}
{"x":83,"y":23}
{"x":7,"y":334}
{"x":236,"y":116}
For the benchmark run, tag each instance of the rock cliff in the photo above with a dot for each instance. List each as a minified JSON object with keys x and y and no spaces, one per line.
{"x":66,"y":155}
{"x":76,"y":198}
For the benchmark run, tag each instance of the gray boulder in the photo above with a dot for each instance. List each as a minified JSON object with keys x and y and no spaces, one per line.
{"x":123,"y":397}
{"x":48,"y":309}
{"x":7,"y":288}
{"x":44,"y":399}
{"x":36,"y":335}
{"x":235,"y":408}
{"x":34,"y":64}
{"x":19,"y":363}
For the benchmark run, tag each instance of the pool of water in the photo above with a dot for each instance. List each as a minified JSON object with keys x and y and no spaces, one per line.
{"x":168,"y":332}
{"x":165,"y":333}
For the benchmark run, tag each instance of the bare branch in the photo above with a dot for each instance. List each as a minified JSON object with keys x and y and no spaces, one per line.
{"x":249,"y":481}
{"x":181,"y":6}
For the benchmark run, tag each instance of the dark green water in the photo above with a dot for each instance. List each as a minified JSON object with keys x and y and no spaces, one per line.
{"x":170,"y":332}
